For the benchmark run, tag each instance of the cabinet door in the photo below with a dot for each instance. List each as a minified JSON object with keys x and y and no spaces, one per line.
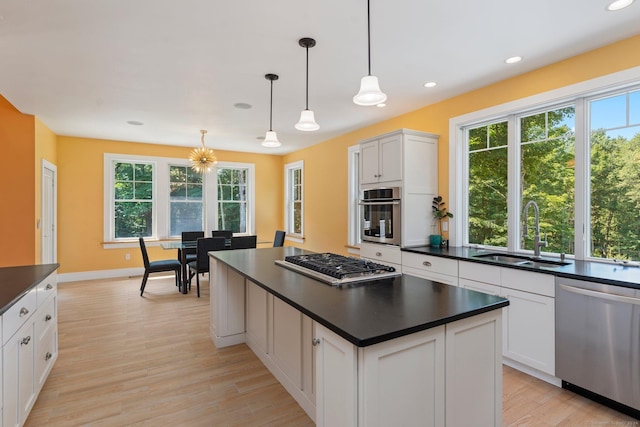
{"x":529,"y":334}
{"x":369,"y":162}
{"x":390,"y":159}
{"x":18,"y":375}
{"x":287,"y":341}
{"x":403,"y":381}
{"x":336,"y":380}
{"x":256,"y":318}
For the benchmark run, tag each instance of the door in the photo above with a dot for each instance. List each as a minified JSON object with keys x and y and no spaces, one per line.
{"x":48,"y":222}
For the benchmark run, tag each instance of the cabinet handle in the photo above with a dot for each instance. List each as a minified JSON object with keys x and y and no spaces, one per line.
{"x":48,"y":356}
{"x":378,"y":253}
{"x":25,"y":340}
{"x":426,"y":263}
{"x":315,"y":342}
{"x":49,"y":286}
{"x":47,"y":317}
{"x":24,"y":311}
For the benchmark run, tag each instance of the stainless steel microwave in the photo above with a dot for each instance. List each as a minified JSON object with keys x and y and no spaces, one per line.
{"x":380,"y":215}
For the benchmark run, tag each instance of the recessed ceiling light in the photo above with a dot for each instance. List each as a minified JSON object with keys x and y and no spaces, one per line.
{"x":135,"y":123}
{"x":430,"y":84}
{"x":513,"y":59}
{"x":618,"y":4}
{"x":242,"y":105}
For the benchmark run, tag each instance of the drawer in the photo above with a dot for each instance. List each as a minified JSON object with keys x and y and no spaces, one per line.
{"x":18,"y":314}
{"x":479,"y":272}
{"x":381,"y":253}
{"x":46,"y":288}
{"x":526,"y":281}
{"x":430,"y":263}
{"x":429,"y":275}
{"x":46,"y":317}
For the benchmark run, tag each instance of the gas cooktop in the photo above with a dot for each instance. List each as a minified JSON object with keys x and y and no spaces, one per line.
{"x":337,"y":270}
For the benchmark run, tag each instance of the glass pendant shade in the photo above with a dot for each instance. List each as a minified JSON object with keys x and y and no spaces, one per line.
{"x":307,"y":121}
{"x":370,"y":93}
{"x":271,"y":140}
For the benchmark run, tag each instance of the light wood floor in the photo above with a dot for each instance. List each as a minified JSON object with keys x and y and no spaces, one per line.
{"x":131,"y":361}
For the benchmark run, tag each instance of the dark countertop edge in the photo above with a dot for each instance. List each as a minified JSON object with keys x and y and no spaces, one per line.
{"x":380,"y":338}
{"x":47,"y":270}
{"x":424,"y":250}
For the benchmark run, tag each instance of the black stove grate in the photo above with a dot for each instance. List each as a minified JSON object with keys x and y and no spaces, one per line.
{"x":338,"y":266}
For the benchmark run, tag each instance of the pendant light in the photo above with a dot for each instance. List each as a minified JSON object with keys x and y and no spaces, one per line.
{"x":202,"y":158}
{"x":271,"y":139}
{"x":307,"y":120}
{"x":370,"y":93}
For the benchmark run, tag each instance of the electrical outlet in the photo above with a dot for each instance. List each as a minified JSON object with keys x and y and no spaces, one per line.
{"x":127,"y":256}
{"x":445,"y":225}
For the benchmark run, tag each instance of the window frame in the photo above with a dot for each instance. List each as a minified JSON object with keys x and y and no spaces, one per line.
{"x":354,"y":237}
{"x":289,"y":168}
{"x":575,"y":94}
{"x":212,"y":192}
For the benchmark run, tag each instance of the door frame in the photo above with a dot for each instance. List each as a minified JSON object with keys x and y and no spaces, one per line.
{"x":48,"y":166}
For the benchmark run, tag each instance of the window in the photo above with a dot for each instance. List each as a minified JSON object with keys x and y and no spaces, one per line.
{"x":575,"y":156}
{"x":294,"y":198}
{"x":185,"y":200}
{"x":614,"y":176}
{"x":232,"y":200}
{"x":133,"y":204}
{"x":354,"y":195}
{"x":158,"y":198}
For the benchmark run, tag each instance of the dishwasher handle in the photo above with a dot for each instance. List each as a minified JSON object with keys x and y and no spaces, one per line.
{"x":601,"y":295}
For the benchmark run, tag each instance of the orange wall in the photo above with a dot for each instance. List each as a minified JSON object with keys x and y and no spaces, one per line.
{"x":325,"y":215}
{"x":81,"y":200}
{"x":17,"y":202}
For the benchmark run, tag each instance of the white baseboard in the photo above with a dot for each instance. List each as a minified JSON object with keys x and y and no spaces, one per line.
{"x":533,"y":372}
{"x":100,"y":274}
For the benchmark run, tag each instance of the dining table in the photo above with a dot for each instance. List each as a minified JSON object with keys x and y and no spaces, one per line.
{"x":181,"y":246}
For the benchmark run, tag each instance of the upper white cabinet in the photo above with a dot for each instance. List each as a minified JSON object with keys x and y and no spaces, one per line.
{"x":407,"y":159}
{"x":381,"y":160}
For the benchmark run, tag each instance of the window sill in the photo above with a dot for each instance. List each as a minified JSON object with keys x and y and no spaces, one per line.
{"x":122,"y":244}
{"x":297,"y":238}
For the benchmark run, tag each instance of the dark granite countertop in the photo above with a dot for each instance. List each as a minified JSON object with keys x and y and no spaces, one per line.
{"x":15,"y":282}
{"x":599,"y":272}
{"x":367,"y":313}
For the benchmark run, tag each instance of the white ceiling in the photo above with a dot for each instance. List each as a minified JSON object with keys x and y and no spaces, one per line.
{"x":86,"y":67}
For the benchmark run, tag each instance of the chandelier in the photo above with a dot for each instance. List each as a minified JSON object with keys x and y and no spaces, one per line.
{"x":202,"y":158}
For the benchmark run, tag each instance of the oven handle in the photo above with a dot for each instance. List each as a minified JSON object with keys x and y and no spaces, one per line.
{"x":364,"y":203}
{"x":601,"y":295}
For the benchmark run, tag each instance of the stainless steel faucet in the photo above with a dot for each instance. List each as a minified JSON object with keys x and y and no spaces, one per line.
{"x":537,"y":243}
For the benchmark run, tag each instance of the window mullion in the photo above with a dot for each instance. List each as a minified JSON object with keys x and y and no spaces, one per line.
{"x":582,"y":180}
{"x":514,"y":183}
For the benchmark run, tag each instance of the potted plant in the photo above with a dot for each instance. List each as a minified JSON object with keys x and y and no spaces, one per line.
{"x":439,"y":213}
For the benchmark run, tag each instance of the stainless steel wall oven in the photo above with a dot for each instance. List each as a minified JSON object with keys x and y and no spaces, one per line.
{"x":381,"y":215}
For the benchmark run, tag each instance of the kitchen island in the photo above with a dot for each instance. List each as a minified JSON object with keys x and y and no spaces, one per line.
{"x":401,"y":351}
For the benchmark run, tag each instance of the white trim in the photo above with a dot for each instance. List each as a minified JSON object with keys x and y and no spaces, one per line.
{"x":353,"y":194}
{"x":46,"y":165}
{"x":212,"y":191}
{"x":100,"y":274}
{"x":287,"y":201}
{"x":605,"y":83}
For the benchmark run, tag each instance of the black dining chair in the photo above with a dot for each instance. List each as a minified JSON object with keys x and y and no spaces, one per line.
{"x":157,"y":266}
{"x":279,"y":238}
{"x":201,"y":264}
{"x":227,"y":234}
{"x":190,"y":236}
{"x":244,"y":242}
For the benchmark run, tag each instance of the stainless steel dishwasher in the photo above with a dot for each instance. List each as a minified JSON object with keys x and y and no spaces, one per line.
{"x":598,"y":341}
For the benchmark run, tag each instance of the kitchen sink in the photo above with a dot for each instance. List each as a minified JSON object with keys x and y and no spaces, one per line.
{"x":523,"y":260}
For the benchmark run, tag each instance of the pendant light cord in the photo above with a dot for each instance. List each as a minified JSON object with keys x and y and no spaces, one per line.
{"x":271,"y":109}
{"x":307,"y":99}
{"x":369,"y":36}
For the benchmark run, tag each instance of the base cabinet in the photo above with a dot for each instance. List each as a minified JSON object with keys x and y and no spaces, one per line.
{"x":226,"y":305}
{"x":30,"y":348}
{"x":450,"y":375}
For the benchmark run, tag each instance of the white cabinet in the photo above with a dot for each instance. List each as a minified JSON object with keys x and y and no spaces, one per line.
{"x":448,"y":375}
{"x":409,"y":160}
{"x":282,"y":338}
{"x":383,"y":254}
{"x":529,"y":320}
{"x":438,"y":269}
{"x":381,"y":159}
{"x":30,"y":347}
{"x":336,"y":380}
{"x":227,"y":304}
